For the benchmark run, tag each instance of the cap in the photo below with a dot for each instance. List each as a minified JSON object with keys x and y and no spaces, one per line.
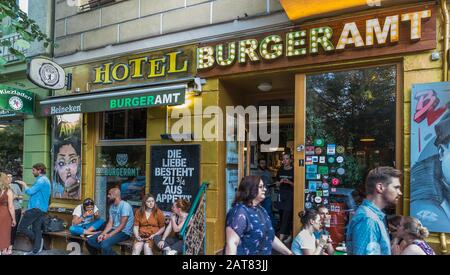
{"x":442,"y":129}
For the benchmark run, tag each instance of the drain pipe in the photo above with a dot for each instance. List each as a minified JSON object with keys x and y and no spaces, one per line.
{"x":445,"y":13}
{"x":446,"y":38}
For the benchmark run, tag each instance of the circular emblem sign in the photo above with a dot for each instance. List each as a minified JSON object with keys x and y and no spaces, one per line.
{"x":318,"y":199}
{"x":331,"y":160}
{"x":15,"y":103}
{"x":339,"y":159}
{"x":49,"y":74}
{"x":341,"y":171}
{"x":318,"y":151}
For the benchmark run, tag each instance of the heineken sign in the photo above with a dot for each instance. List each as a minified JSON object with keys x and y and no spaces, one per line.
{"x":101,"y":102}
{"x":16,"y":100}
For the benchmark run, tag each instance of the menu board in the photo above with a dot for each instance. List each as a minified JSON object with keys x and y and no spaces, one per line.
{"x":174,"y":173}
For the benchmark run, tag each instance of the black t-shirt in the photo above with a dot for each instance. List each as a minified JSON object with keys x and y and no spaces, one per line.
{"x":286,"y":190}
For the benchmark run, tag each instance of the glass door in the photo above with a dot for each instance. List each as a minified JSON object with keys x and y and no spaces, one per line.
{"x":350,"y":128}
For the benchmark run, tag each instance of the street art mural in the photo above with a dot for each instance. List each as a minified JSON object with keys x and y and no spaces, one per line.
{"x":66,"y":146}
{"x":430,"y":155}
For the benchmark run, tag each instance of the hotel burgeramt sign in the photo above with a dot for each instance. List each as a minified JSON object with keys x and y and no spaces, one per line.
{"x":385,"y":32}
{"x":125,"y":83}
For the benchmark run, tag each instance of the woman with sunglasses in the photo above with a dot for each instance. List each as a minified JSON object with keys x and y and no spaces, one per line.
{"x":86,"y":219}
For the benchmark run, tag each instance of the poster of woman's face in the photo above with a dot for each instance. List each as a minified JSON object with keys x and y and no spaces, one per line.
{"x":66,"y":145}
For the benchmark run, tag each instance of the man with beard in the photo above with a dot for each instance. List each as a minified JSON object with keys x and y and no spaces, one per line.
{"x":367,"y":232}
{"x":118,"y":229}
{"x":37,"y":207}
{"x":430,"y":183}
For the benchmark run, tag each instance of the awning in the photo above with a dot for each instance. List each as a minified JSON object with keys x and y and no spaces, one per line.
{"x":302,"y":9}
{"x":16,"y":100}
{"x":111,"y":101}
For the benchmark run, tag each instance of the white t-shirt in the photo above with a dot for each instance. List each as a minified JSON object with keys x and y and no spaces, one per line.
{"x":304,"y":240}
{"x":78,"y":212}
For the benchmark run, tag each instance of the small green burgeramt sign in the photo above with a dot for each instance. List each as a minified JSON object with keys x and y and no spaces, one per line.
{"x":16,"y":100}
{"x":101,"y":102}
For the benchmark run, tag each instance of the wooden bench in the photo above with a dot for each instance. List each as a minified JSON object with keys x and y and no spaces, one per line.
{"x":124,"y":245}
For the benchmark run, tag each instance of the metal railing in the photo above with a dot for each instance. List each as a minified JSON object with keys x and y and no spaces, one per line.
{"x":193,"y":231}
{"x":4,"y":52}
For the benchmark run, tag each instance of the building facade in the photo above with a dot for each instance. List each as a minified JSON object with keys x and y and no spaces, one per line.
{"x":340,"y":84}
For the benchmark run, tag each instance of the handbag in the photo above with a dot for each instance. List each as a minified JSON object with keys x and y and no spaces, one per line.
{"x":53,"y":224}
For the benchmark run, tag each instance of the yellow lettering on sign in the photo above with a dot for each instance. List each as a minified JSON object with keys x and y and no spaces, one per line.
{"x":157,"y":67}
{"x":391,"y":23}
{"x":416,"y":22}
{"x":102,"y":74}
{"x":126,"y":72}
{"x":345,"y":39}
{"x":173,"y":63}
{"x":205,"y":57}
{"x":137,"y":66}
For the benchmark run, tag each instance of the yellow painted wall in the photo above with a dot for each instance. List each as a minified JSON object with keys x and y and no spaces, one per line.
{"x":419,"y":68}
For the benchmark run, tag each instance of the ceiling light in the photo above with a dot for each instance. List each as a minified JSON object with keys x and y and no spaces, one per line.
{"x":265,"y":86}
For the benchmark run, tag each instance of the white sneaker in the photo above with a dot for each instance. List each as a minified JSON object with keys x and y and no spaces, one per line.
{"x":42,"y":246}
{"x":172,"y":252}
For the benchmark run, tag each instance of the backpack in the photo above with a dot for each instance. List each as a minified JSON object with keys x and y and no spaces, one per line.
{"x":53,"y":224}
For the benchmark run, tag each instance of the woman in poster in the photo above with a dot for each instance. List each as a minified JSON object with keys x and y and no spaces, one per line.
{"x":67,"y":170}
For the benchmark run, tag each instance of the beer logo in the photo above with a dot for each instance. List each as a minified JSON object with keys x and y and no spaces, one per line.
{"x":49,"y":74}
{"x":122,"y":159}
{"x":15,"y":103}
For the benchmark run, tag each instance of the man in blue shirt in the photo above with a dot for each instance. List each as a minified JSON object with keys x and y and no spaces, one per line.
{"x":118,"y":229}
{"x":367,"y":232}
{"x":37,"y":207}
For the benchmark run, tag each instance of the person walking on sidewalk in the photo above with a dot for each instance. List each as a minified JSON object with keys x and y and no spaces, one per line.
{"x":37,"y":207}
{"x":7,"y":215}
{"x":249,"y":230}
{"x":367,"y":232}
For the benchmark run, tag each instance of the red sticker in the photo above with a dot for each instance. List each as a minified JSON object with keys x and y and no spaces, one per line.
{"x":335,"y":181}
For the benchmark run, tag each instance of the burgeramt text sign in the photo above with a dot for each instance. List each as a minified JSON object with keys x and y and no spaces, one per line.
{"x":381,"y":33}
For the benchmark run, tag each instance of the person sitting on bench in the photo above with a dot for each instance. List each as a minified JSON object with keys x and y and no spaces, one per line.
{"x":118,"y":229}
{"x":173,"y":245}
{"x":86,"y":219}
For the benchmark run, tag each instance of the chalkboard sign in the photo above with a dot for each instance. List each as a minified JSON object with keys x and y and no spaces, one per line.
{"x":174,"y":173}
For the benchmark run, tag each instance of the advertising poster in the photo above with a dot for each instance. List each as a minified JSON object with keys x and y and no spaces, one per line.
{"x":430,"y":155}
{"x":66,"y":148}
{"x":174,"y":173}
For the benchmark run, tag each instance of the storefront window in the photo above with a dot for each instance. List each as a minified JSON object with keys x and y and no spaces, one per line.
{"x":122,"y":167}
{"x":350,"y":129}
{"x":125,"y":124}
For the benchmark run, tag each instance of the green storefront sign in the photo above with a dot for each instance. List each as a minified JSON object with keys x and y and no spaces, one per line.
{"x":107,"y":101}
{"x":16,"y":100}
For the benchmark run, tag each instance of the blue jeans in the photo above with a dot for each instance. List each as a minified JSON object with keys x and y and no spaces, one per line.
{"x":33,"y":217}
{"x":78,"y":230}
{"x":105,"y":246}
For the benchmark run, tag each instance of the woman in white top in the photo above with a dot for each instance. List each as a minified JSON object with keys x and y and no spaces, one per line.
{"x":306,"y":243}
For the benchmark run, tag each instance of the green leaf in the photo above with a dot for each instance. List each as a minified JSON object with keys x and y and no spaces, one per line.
{"x":17,"y":54}
{"x":21,"y":43}
{"x":3,"y":61}
{"x":6,"y":43}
